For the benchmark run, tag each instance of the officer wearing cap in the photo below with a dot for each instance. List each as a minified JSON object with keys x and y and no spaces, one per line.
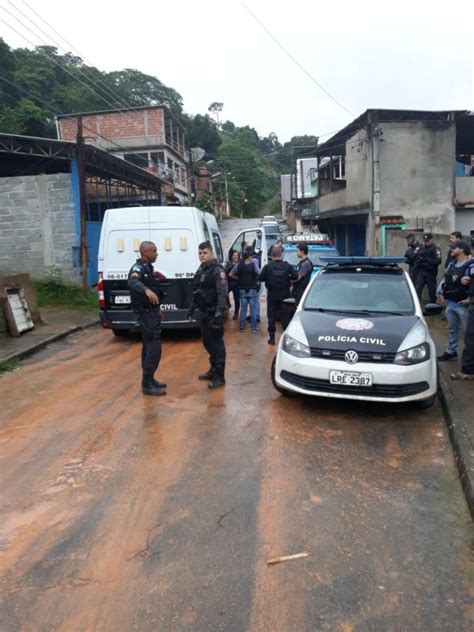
{"x":210,"y":300}
{"x":411,"y":252}
{"x":426,"y":266}
{"x":146,"y":295}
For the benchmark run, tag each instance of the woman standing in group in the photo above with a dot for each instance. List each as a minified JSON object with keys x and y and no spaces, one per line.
{"x":233,"y":283}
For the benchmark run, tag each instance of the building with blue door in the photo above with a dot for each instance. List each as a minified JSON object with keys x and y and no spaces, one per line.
{"x":40,"y":215}
{"x":396,"y":167}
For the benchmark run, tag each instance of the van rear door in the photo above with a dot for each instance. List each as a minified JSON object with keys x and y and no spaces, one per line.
{"x":178,"y":262}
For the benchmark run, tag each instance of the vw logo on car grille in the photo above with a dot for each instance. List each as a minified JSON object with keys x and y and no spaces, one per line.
{"x":351,"y":357}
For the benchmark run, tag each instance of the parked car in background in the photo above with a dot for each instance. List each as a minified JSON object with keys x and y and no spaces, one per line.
{"x":268,"y":219}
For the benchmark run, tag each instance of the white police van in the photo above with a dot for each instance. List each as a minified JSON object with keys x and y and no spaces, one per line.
{"x":177,"y":231}
{"x":359,"y":333}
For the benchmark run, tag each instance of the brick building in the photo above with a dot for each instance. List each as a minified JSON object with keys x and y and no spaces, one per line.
{"x":150,"y":137}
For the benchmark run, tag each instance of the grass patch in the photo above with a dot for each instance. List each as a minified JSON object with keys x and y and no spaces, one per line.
{"x":56,"y":291}
{"x":9,"y":365}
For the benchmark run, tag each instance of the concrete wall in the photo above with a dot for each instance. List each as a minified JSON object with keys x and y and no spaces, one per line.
{"x":417,"y":173}
{"x":356,"y":192}
{"x":465,"y":190}
{"x":37,"y":225}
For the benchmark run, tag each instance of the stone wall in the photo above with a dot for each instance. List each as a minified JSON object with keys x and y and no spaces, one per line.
{"x":37,"y":225}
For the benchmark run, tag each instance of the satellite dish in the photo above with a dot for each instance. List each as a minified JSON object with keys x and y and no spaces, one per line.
{"x":197,"y":153}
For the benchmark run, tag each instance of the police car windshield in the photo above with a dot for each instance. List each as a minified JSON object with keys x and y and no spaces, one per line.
{"x":314,"y":256}
{"x":377,"y":292}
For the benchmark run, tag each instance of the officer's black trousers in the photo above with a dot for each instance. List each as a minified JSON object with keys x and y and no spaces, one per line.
{"x":424,"y":277}
{"x":150,"y":324}
{"x":467,"y":360}
{"x":213,"y":341}
{"x":275,"y":307}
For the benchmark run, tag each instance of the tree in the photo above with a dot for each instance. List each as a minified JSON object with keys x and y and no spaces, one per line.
{"x":137,"y":89}
{"x":228,"y":128}
{"x":201,"y":131}
{"x":216,"y":108}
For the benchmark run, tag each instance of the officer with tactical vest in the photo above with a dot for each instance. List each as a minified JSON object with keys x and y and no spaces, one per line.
{"x":426,"y":266}
{"x":411,"y":253}
{"x":146,"y":295}
{"x":277,"y":276}
{"x":456,"y":294}
{"x":210,"y":300}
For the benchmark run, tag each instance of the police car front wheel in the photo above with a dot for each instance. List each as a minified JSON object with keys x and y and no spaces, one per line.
{"x":424,"y":404}
{"x":277,"y":387}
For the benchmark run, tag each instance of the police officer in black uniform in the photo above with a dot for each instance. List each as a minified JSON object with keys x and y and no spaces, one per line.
{"x":210,"y":300}
{"x":276,"y":275}
{"x":426,"y":266}
{"x":146,"y":295}
{"x":411,"y":253}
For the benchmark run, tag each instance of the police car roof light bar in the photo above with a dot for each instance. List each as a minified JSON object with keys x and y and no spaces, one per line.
{"x":370,"y":261}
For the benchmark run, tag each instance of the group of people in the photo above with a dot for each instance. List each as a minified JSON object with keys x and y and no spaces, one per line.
{"x":211,"y":286}
{"x":456,"y":290}
{"x":281,"y":279}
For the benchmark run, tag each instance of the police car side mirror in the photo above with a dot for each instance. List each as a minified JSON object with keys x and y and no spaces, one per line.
{"x":289,"y":301}
{"x":432,"y":309}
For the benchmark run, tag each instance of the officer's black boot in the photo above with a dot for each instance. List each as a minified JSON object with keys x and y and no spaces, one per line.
{"x":208,"y":375}
{"x":158,"y":384}
{"x":271,"y":339}
{"x":216,"y":382}
{"x":148,"y":388}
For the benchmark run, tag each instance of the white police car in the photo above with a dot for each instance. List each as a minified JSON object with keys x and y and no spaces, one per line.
{"x":359,"y":333}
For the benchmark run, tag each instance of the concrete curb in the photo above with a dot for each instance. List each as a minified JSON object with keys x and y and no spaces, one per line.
{"x":41,"y":344}
{"x":460,"y":440}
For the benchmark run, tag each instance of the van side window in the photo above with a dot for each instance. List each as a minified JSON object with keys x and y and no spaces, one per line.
{"x":207,"y":235}
{"x":218,"y":247}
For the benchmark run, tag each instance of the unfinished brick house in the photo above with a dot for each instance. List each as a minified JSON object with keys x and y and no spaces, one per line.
{"x":150,"y":137}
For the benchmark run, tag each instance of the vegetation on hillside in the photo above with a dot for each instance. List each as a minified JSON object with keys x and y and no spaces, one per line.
{"x":35,"y":85}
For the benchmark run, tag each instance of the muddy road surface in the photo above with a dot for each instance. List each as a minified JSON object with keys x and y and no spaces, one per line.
{"x":122,"y":512}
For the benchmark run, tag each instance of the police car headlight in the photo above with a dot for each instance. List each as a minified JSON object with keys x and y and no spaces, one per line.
{"x":420,"y":353}
{"x":295,"y":348}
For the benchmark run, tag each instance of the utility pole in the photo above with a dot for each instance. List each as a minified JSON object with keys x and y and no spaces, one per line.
{"x":81,"y":168}
{"x":193,"y":178}
{"x":227,"y":209}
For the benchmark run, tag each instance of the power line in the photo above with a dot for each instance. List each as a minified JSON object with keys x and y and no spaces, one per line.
{"x":53,"y":110}
{"x":103,"y":86}
{"x":294,"y":60}
{"x":82,"y":72}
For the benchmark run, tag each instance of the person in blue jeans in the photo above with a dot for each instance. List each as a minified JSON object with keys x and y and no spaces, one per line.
{"x":246,"y":273}
{"x":456,"y":295}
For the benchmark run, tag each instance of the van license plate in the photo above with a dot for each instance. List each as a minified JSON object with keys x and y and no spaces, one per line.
{"x":122,"y":300}
{"x":348,"y":378}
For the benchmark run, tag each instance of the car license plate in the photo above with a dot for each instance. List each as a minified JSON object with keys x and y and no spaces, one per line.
{"x":348,"y":378}
{"x":122,"y":300}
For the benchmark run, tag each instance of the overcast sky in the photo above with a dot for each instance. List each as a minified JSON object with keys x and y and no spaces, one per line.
{"x":367,"y":54}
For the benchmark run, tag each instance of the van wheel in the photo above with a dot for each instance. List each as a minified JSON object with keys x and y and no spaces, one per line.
{"x":121,"y":333}
{"x":277,"y":387}
{"x":424,"y":404}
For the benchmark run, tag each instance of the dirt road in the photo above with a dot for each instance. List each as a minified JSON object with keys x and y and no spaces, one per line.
{"x":125,"y":512}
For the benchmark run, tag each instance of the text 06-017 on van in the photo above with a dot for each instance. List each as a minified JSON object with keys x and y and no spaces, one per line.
{"x":177,"y":232}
